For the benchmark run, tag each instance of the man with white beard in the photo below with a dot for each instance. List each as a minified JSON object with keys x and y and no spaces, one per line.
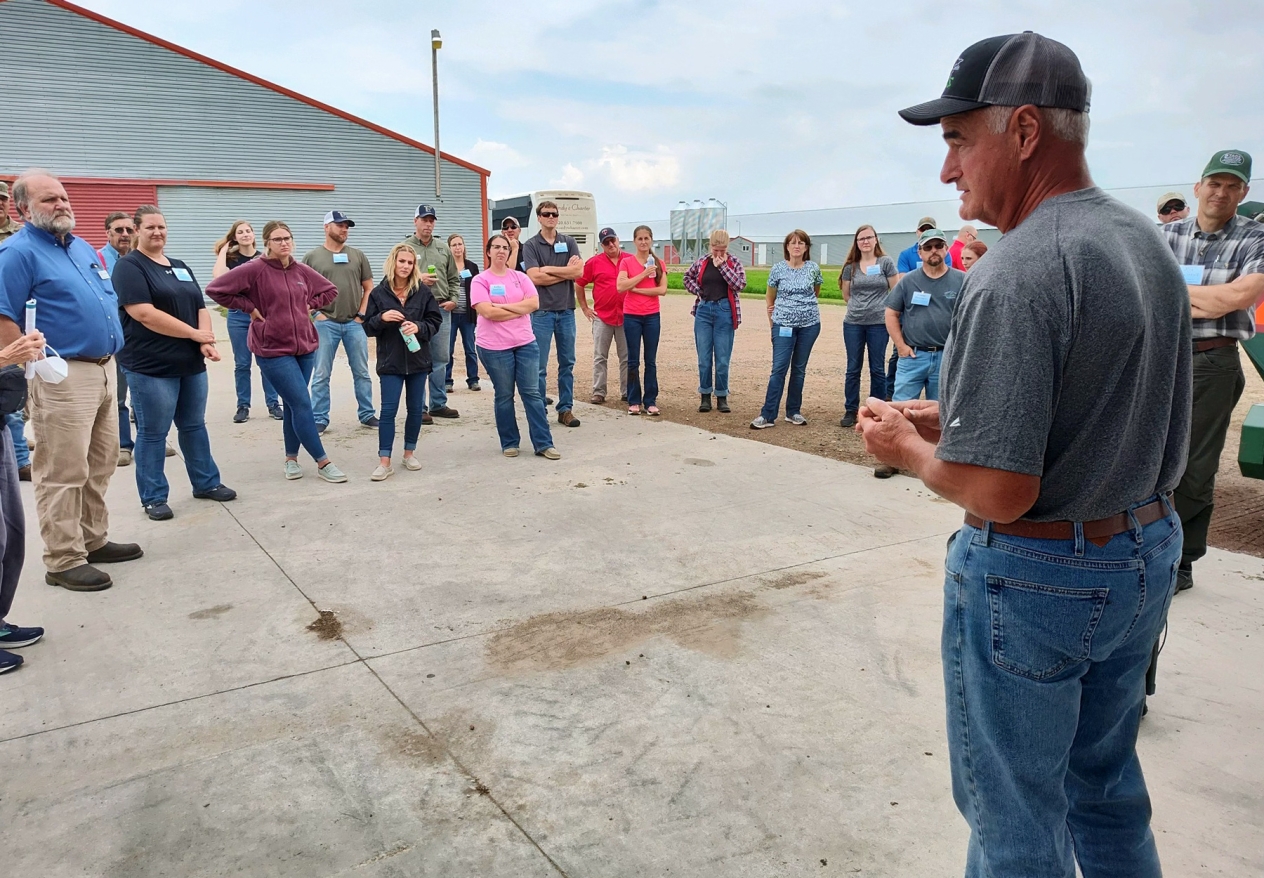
{"x":75,"y":420}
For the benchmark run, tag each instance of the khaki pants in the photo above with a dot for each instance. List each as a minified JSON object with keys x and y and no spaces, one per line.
{"x":603,"y":334}
{"x":76,"y":450}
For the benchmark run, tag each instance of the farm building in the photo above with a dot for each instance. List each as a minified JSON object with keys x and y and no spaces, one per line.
{"x":243,"y":148}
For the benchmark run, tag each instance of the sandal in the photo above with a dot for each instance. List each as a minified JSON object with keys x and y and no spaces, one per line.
{"x":652,"y":410}
{"x":634,"y":409}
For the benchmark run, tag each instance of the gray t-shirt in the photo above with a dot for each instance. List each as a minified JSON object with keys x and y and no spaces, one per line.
{"x":536,"y":253}
{"x":926,"y":305}
{"x":347,"y":273}
{"x":1070,"y":359}
{"x":867,"y":298}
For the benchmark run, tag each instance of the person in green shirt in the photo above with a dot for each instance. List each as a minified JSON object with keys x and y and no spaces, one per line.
{"x":443,"y":277}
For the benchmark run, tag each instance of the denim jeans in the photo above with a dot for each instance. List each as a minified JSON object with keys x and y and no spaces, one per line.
{"x":713,"y":337}
{"x":915,"y":374}
{"x":12,"y":528}
{"x":549,"y":325}
{"x":238,"y":328}
{"x":463,"y":324}
{"x":414,"y":386}
{"x":159,"y":401}
{"x":518,"y":366}
{"x":857,"y":337}
{"x":638,"y":328}
{"x":125,"y":416}
{"x":440,"y":343}
{"x":789,"y":354}
{"x":289,"y":375}
{"x":356,"y":344}
{"x":1045,"y":649}
{"x":17,"y":432}
{"x":892,"y":365}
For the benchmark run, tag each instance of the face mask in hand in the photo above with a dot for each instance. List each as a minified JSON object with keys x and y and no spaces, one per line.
{"x":52,"y":370}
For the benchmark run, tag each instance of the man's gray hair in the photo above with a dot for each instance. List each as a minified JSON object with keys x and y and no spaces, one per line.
{"x":1068,"y":125}
{"x":21,"y":195}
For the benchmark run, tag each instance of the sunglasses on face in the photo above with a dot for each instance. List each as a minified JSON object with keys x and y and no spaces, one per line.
{"x":934,"y":245}
{"x":548,"y":214}
{"x":1169,"y":208}
{"x":123,"y":231}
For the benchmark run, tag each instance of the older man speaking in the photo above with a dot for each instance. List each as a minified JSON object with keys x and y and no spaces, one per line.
{"x":1062,"y":429}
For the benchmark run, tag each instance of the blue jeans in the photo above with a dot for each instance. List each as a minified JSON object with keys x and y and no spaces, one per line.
{"x":289,"y":375}
{"x":238,"y":327}
{"x":892,"y":365}
{"x":638,"y":328}
{"x":440,"y":345}
{"x":713,"y":337}
{"x":789,"y":354}
{"x":125,"y":419}
{"x":1045,"y":649}
{"x":560,"y":325}
{"x":414,"y":386}
{"x":856,"y":338}
{"x":159,"y":401}
{"x":17,"y":432}
{"x":518,"y":366}
{"x":356,"y":343}
{"x":463,"y":323}
{"x":915,"y":374}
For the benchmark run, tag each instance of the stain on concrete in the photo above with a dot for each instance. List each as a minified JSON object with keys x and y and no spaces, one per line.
{"x":795,"y":577}
{"x":327,"y":627}
{"x":211,"y":612}
{"x":415,"y":744}
{"x":699,"y":461}
{"x":385,"y":855}
{"x":555,"y":641}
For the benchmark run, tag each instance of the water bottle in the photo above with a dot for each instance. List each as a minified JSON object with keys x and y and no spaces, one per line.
{"x":410,"y":341}
{"x":431,"y":269}
{"x":649,"y":263}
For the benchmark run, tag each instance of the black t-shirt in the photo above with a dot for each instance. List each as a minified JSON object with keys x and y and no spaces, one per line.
{"x":232,"y":261}
{"x":468,"y":270}
{"x":138,"y":280}
{"x":714,"y":287}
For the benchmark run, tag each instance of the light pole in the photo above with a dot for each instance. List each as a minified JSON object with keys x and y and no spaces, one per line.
{"x":436,"y":43}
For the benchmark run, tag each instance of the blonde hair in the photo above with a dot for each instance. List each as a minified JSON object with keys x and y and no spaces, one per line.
{"x":719,"y":238}
{"x":388,"y":268}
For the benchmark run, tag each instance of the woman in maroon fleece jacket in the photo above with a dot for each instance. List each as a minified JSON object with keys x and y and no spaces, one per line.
{"x":280,"y":294}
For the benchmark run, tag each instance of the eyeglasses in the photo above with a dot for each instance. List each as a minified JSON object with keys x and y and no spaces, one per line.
{"x":123,"y":230}
{"x":286,"y":240}
{"x":934,"y":245}
{"x":548,"y":214}
{"x":1168,"y":208}
{"x":498,"y":247}
{"x":866,"y":238}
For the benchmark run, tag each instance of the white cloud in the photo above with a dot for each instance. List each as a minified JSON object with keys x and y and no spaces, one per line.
{"x":572,"y":177}
{"x":640,"y":171}
{"x":494,"y":156}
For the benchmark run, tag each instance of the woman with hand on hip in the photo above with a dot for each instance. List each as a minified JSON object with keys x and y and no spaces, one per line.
{"x":867,"y":276}
{"x":234,"y":249}
{"x":280,"y":294}
{"x":167,"y":341}
{"x":403,"y":316}
{"x":505,"y":299}
{"x":794,"y":284}
{"x":644,"y":280}
{"x":717,"y":280}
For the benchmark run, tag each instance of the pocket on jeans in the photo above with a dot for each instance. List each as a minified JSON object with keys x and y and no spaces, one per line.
{"x":1038,"y":630}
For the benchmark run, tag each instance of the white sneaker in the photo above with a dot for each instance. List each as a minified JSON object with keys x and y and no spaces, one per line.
{"x":293,"y":470}
{"x":760,"y":424}
{"x":797,"y":420}
{"x":331,"y":473}
{"x":382,"y":473}
{"x":412,"y":464}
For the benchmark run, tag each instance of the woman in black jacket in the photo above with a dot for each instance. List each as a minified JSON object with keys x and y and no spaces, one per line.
{"x":403,"y":316}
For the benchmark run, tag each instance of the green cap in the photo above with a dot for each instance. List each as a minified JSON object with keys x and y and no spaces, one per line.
{"x":930,"y":235}
{"x":1230,"y":161}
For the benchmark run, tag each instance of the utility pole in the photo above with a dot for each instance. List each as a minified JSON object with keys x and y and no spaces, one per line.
{"x":436,"y":43}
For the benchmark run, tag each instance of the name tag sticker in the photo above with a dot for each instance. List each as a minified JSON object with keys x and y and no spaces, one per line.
{"x":465,"y":273}
{"x":919,"y":263}
{"x":498,"y":290}
{"x":786,"y":331}
{"x":560,"y":247}
{"x":341,"y":259}
{"x":921,"y":298}
{"x":103,"y":274}
{"x":1193,"y":274}
{"x":873,"y":269}
{"x":182,"y":274}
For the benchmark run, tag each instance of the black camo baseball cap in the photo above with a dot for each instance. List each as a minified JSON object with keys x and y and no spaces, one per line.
{"x":1009,"y":71}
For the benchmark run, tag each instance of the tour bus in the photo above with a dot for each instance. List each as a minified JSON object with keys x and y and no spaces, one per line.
{"x":577,"y":215}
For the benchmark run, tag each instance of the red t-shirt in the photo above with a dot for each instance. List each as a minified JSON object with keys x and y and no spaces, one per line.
{"x":603,"y":275}
{"x":634,"y":302}
{"x":954,"y":252}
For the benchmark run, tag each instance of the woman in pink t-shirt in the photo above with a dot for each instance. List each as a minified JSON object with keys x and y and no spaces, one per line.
{"x":642,"y":277}
{"x":504,"y":299}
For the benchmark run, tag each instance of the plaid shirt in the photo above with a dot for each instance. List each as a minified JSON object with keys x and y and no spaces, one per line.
{"x":734,"y":275}
{"x":1226,"y":255}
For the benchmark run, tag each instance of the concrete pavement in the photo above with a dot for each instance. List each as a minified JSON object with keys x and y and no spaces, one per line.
{"x":669,"y":653}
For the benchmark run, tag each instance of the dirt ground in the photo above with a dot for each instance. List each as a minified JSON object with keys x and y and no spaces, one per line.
{"x":1239,"y":501}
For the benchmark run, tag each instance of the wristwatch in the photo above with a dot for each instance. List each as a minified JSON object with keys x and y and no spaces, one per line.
{"x":360,"y":316}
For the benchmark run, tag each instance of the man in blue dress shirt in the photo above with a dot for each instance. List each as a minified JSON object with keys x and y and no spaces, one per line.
{"x":75,"y":421}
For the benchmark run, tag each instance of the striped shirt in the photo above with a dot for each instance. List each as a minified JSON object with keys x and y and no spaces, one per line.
{"x":1226,"y":255}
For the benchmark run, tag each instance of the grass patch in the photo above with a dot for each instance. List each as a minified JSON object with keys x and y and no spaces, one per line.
{"x":757,"y":282}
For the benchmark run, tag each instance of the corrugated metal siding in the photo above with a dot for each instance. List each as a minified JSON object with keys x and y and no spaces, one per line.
{"x":93,"y":202}
{"x":182,"y":119}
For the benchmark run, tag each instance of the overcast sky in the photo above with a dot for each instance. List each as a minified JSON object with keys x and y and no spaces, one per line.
{"x":764,"y":105}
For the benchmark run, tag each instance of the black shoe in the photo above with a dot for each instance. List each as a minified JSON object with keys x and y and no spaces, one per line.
{"x":1184,"y":579}
{"x":276,"y":413}
{"x":114,"y":553}
{"x":24,"y":473}
{"x":849,"y":420}
{"x":321,"y":428}
{"x":548,"y":400}
{"x":9,"y":661}
{"x":706,"y":403}
{"x":370,"y":421}
{"x":85,"y":577}
{"x":159,"y":512}
{"x":444,"y":412}
{"x":882,"y":471}
{"x":243,"y":414}
{"x":220,"y":494}
{"x":722,"y":403}
{"x":449,"y":387}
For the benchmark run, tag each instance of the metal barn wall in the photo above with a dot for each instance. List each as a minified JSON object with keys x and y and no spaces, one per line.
{"x":181,"y":119}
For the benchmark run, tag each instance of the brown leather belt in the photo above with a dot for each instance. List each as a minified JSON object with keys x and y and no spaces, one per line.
{"x":1097,"y":532}
{"x":98,"y":361}
{"x":1210,"y":344}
